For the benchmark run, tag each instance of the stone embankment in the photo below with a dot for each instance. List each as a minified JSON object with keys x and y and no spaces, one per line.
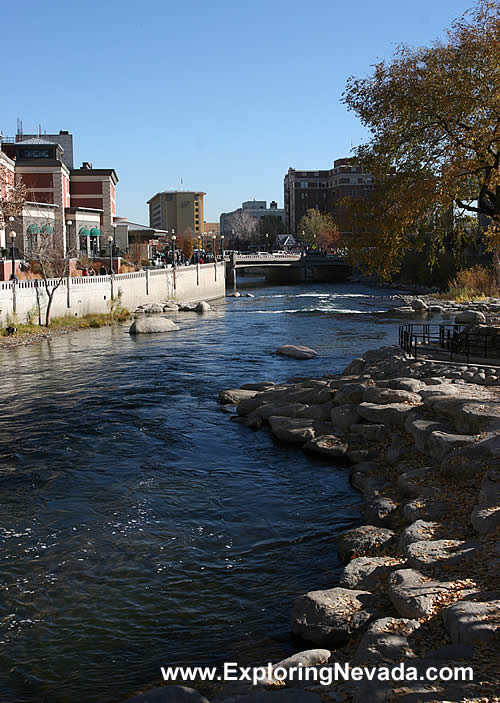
{"x":421,"y":440}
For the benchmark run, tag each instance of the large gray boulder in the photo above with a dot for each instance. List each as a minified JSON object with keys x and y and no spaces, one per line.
{"x":267,"y":410}
{"x":343,"y":416}
{"x":366,"y":573}
{"x":291,"y":430}
{"x":474,"y":619}
{"x":329,"y":618}
{"x":203,"y":306}
{"x":231,"y":396}
{"x":415,"y":595}
{"x":383,"y":396}
{"x":485,"y":516}
{"x":469,"y":316}
{"x":152,"y":325}
{"x":296,"y":351}
{"x":418,"y":531}
{"x":419,"y":305}
{"x":350,"y":394}
{"x":366,"y":540}
{"x":385,"y":640}
{"x":441,"y":553}
{"x":392,"y":414}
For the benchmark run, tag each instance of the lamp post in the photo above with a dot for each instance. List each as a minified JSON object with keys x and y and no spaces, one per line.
{"x":12,"y":236}
{"x":214,"y":239}
{"x":110,"y":240}
{"x":222,"y":246}
{"x":173,"y":248}
{"x":267,"y":242}
{"x":68,"y":235}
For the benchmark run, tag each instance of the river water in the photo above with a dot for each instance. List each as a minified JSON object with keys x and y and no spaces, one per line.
{"x":139,"y":527}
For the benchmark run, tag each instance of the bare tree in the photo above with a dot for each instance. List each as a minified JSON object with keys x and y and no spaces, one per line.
{"x":243,"y":224}
{"x":13,"y":197}
{"x":47,"y":252}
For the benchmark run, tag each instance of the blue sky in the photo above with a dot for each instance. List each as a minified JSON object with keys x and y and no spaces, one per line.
{"x":223,"y":95}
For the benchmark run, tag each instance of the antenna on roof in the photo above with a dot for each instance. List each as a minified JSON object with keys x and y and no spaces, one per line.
{"x":19,"y":127}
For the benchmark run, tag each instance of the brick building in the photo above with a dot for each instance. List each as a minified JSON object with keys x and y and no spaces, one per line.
{"x":59,"y":194}
{"x":323,"y":190}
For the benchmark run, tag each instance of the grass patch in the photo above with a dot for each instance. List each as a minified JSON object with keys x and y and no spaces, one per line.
{"x":67,"y":322}
{"x":471,"y":285}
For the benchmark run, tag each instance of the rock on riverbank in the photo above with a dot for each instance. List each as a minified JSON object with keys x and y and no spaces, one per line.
{"x":421,"y":440}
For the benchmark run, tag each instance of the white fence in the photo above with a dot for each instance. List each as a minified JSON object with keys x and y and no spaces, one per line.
{"x":80,"y":296}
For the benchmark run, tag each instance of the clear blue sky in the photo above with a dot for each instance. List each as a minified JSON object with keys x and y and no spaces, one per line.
{"x":225,"y":95}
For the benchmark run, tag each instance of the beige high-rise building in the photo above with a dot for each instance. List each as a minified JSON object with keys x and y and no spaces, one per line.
{"x":178,"y":210}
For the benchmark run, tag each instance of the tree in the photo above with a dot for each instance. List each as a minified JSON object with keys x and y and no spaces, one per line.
{"x":271,"y":225}
{"x":188,"y":248}
{"x":434,"y":117}
{"x":13,"y":197}
{"x":47,"y":253}
{"x":319,"y":229}
{"x":243,"y":225}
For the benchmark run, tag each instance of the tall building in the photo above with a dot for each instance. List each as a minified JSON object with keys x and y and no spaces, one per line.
{"x":177,"y":210}
{"x":323,"y":190}
{"x":59,"y":194}
{"x":254,"y":208}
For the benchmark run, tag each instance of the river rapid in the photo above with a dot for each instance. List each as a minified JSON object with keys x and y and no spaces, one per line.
{"x":139,"y":527}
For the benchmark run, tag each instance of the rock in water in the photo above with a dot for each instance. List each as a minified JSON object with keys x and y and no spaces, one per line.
{"x":152,"y":325}
{"x":296,"y":351}
{"x":203,"y":307}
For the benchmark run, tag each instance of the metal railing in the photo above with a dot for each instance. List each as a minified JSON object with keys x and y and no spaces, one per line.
{"x":453,"y":340}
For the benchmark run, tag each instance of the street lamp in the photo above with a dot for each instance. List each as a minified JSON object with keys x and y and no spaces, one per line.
{"x":267,"y":242}
{"x":222,"y":246}
{"x":68,"y":235}
{"x":110,"y":240}
{"x":12,"y":236}
{"x":173,"y":248}
{"x":214,"y":237}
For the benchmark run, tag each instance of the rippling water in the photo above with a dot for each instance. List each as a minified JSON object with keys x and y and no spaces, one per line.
{"x":139,"y":526}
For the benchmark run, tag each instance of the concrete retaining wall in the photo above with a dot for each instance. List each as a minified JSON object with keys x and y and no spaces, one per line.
{"x":92,"y":294}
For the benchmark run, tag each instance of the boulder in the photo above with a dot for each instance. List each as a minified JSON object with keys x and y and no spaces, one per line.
{"x":383,"y":396}
{"x":392,"y":414}
{"x":415,"y":595}
{"x":236,"y":294}
{"x":343,"y":416}
{"x":419,"y":305}
{"x":169,"y":694}
{"x":422,"y":508}
{"x":485,"y":516}
{"x":379,"y":511}
{"x":385,"y":640}
{"x":296,"y":351}
{"x":350,"y":394}
{"x":249,"y":295}
{"x":294,"y":431}
{"x":442,"y":553}
{"x":469,"y":316}
{"x":203,"y":306}
{"x":404,"y":384}
{"x":400,"y":448}
{"x":327,"y":445}
{"x":282,"y":410}
{"x":152,"y":325}
{"x":187,"y":307}
{"x":170,"y":307}
{"x":317,"y":412}
{"x":330,"y":618}
{"x":418,"y":531}
{"x":231,"y":396}
{"x":366,"y":573}
{"x":307,"y":658}
{"x":474,"y":619}
{"x":464,"y":464}
{"x":432,"y":438}
{"x":366,"y":540}
{"x":409,"y":483}
{"x":153,"y":309}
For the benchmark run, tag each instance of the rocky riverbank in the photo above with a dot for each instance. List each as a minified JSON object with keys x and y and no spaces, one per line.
{"x":422,"y":444}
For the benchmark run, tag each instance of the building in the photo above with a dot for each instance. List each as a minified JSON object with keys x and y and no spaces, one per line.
{"x":323,"y":190}
{"x":141,"y":241}
{"x":255,"y":208}
{"x":177,"y":210}
{"x":77,"y":205}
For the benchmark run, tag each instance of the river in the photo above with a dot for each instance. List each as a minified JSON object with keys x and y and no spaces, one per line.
{"x":139,"y":526}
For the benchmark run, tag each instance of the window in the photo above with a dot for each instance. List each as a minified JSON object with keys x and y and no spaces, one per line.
{"x":303,"y":184}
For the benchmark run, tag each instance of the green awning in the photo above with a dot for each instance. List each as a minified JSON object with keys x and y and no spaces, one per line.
{"x":47,"y":229}
{"x":33,"y":229}
{"x":84,"y":231}
{"x":94,"y":232}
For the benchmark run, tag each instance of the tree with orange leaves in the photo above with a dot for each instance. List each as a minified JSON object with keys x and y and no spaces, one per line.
{"x":434,"y":115}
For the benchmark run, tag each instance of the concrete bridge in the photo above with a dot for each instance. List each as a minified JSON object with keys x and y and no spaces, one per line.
{"x":289,"y":268}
